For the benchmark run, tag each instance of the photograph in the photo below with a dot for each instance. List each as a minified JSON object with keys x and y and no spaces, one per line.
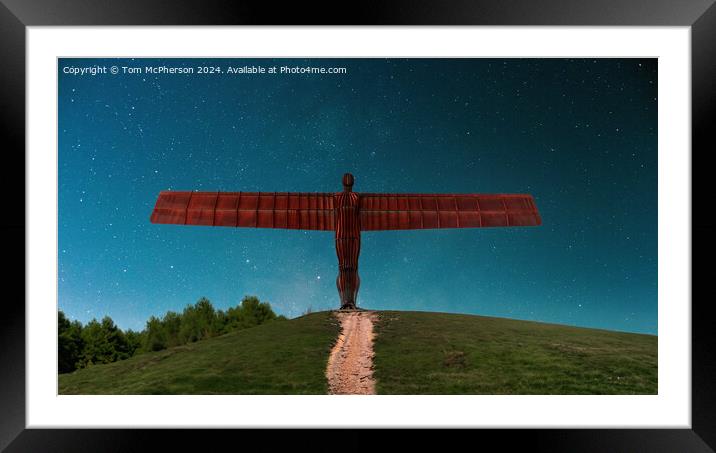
{"x":357,"y":226}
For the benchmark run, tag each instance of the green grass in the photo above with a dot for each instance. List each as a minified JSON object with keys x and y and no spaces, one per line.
{"x":437,"y":353}
{"x":415,"y":353}
{"x":283,"y":357}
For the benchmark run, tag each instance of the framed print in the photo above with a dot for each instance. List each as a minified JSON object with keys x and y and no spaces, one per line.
{"x":571,"y":318}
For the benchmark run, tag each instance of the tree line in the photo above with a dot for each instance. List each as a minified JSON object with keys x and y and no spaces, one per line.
{"x":102,"y":341}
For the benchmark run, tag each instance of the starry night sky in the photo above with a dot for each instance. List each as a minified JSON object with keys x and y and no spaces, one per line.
{"x":579,"y":135}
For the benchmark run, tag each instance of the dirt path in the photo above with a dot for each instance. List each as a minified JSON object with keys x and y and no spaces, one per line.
{"x":350,"y":365}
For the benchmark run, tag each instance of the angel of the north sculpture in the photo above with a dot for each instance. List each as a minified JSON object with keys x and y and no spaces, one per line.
{"x":347,"y":213}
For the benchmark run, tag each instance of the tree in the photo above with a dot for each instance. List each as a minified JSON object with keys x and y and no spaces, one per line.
{"x":104,"y":342}
{"x":156,"y":336}
{"x":172,"y":326}
{"x":197,"y":321}
{"x":118,"y":346}
{"x":221,"y":322}
{"x":69,"y":344}
{"x":207,"y":316}
{"x":189,"y":325}
{"x":256,"y":312}
{"x":135,"y":341}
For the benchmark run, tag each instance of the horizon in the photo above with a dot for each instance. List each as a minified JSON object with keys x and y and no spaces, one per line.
{"x":408,"y":310}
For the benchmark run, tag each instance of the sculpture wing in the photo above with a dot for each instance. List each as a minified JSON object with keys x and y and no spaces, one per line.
{"x":302,"y":211}
{"x":422,"y":211}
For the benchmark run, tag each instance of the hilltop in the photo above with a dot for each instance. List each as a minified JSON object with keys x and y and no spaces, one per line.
{"x":440,"y":353}
{"x":415,"y":353}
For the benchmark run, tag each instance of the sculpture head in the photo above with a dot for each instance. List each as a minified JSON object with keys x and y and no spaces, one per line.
{"x":347,"y":182}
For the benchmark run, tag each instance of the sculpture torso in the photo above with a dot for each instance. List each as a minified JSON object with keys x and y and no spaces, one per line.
{"x":347,"y":215}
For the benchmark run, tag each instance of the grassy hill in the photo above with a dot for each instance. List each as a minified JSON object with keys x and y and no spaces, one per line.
{"x":439,"y":353}
{"x":415,"y":353}
{"x":287,"y":357}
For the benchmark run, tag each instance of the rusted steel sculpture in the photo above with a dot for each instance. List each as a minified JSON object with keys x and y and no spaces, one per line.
{"x":347,"y":213}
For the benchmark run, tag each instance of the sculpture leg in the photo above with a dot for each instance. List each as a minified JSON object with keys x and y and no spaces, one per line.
{"x":348,"y":281}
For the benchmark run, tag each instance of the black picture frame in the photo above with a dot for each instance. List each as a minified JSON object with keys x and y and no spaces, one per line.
{"x":16,"y":15}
